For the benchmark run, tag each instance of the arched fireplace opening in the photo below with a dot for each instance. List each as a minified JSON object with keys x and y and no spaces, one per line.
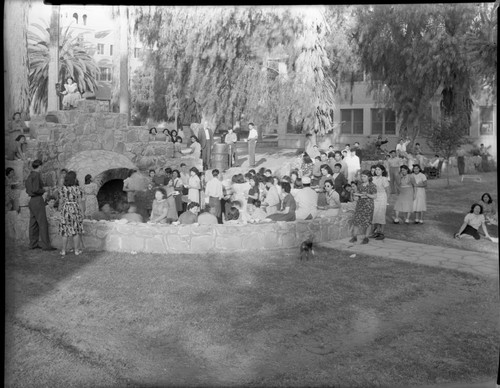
{"x":110,"y":184}
{"x":112,"y":192}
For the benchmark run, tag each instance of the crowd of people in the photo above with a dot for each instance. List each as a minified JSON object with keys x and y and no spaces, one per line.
{"x":321,"y":183}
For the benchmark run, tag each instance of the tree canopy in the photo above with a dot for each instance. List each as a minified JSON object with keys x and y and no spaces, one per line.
{"x":75,"y":60}
{"x":230,"y":60}
{"x":412,"y":51}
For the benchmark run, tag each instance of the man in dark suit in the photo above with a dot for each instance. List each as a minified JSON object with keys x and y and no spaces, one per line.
{"x":339,"y":180}
{"x":38,"y":226}
{"x":206,"y":139}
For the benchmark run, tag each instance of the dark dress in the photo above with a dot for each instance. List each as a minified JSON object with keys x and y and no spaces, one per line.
{"x":288,"y":201}
{"x":363,"y":214}
{"x":253,"y":190}
{"x":71,"y":222}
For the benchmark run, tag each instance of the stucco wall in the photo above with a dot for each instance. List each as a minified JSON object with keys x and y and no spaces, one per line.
{"x":134,"y":237}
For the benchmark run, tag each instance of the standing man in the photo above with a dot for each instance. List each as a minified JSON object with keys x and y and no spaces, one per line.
{"x":461,"y":160}
{"x":359,"y":152}
{"x":214,"y":191}
{"x":38,"y":226}
{"x":230,"y":140}
{"x":252,"y":141}
{"x":401,"y":148}
{"x":206,"y":139}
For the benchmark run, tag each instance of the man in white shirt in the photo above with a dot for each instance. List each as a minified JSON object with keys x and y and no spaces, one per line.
{"x":252,"y":141}
{"x":306,"y":200}
{"x":353,"y":165}
{"x":214,"y":193}
{"x":401,"y":148}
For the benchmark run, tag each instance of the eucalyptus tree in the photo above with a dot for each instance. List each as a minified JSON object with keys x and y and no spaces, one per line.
{"x":75,"y":60}
{"x":413,"y":51}
{"x":261,"y":62}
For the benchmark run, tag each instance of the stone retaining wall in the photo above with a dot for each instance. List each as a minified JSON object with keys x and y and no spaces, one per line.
{"x":141,"y":237}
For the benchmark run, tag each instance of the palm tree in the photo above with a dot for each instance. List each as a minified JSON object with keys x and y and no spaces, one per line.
{"x":75,"y":60}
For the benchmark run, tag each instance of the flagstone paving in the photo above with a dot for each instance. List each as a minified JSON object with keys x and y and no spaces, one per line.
{"x":482,"y":264}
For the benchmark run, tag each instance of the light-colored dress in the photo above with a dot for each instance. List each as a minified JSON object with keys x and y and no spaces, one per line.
{"x":420,"y":202}
{"x":194,"y":189}
{"x":158,"y":208}
{"x":404,"y":203}
{"x":73,"y":95}
{"x":380,"y":203}
{"x":90,"y":197}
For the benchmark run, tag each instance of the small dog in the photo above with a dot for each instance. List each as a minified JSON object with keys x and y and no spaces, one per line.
{"x":306,"y":249}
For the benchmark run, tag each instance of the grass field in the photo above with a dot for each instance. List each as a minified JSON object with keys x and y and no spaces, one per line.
{"x":116,"y":320}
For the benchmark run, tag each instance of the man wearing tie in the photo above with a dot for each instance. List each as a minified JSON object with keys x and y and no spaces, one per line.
{"x":206,"y":136}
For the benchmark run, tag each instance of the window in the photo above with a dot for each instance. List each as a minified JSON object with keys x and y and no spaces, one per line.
{"x":105,"y":74}
{"x":486,"y":120}
{"x":84,"y":17}
{"x":110,"y":49}
{"x":100,"y":49}
{"x":383,"y":122}
{"x":137,"y":52}
{"x":352,"y":121}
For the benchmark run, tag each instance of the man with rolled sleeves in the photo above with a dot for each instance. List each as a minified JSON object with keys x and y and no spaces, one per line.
{"x":252,"y":141}
{"x":38,"y":226}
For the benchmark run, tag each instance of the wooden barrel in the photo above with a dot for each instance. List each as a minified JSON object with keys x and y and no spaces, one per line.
{"x":220,"y":156}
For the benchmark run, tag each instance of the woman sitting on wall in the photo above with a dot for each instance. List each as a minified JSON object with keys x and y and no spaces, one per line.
{"x":152,"y":134}
{"x":332,"y":207}
{"x":159,"y":211}
{"x":288,"y":205}
{"x":71,"y":94}
{"x":194,"y":149}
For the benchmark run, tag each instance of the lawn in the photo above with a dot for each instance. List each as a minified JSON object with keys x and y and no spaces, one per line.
{"x":116,"y":320}
{"x":446,"y":209}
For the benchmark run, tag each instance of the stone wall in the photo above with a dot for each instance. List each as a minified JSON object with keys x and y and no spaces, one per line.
{"x":141,"y":237}
{"x":92,"y":127}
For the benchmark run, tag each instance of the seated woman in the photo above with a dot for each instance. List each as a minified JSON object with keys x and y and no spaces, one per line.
{"x":20,"y":149}
{"x":178,"y":147}
{"x":159,"y":211}
{"x":71,"y":94}
{"x":194,"y":149}
{"x":288,"y":205}
{"x":332,"y":207}
{"x":489,"y":208}
{"x":306,"y":166}
{"x":152,"y":134}
{"x":472,"y":222}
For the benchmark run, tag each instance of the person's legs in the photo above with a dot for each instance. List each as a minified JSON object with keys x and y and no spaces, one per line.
{"x":396,"y":219}
{"x":251,"y":153}
{"x":77,"y":241}
{"x":64,"y":244}
{"x":33,"y":227}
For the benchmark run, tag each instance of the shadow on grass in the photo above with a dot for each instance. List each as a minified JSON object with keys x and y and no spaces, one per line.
{"x":40,"y":272}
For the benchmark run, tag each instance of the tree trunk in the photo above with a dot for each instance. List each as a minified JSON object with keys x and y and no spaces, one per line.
{"x":124,"y":35}
{"x":53,"y":99}
{"x":16,"y":70}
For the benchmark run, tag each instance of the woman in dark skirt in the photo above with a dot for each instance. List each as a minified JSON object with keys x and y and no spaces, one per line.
{"x":363,"y":214}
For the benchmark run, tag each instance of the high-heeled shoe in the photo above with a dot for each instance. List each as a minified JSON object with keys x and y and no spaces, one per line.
{"x":78,"y":252}
{"x":62,"y":253}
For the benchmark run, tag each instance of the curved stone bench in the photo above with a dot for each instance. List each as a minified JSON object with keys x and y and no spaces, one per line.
{"x":141,"y":237}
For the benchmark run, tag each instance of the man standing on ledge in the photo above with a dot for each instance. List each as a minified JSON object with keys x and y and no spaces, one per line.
{"x":38,"y":226}
{"x":252,"y":141}
{"x":206,"y":138}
